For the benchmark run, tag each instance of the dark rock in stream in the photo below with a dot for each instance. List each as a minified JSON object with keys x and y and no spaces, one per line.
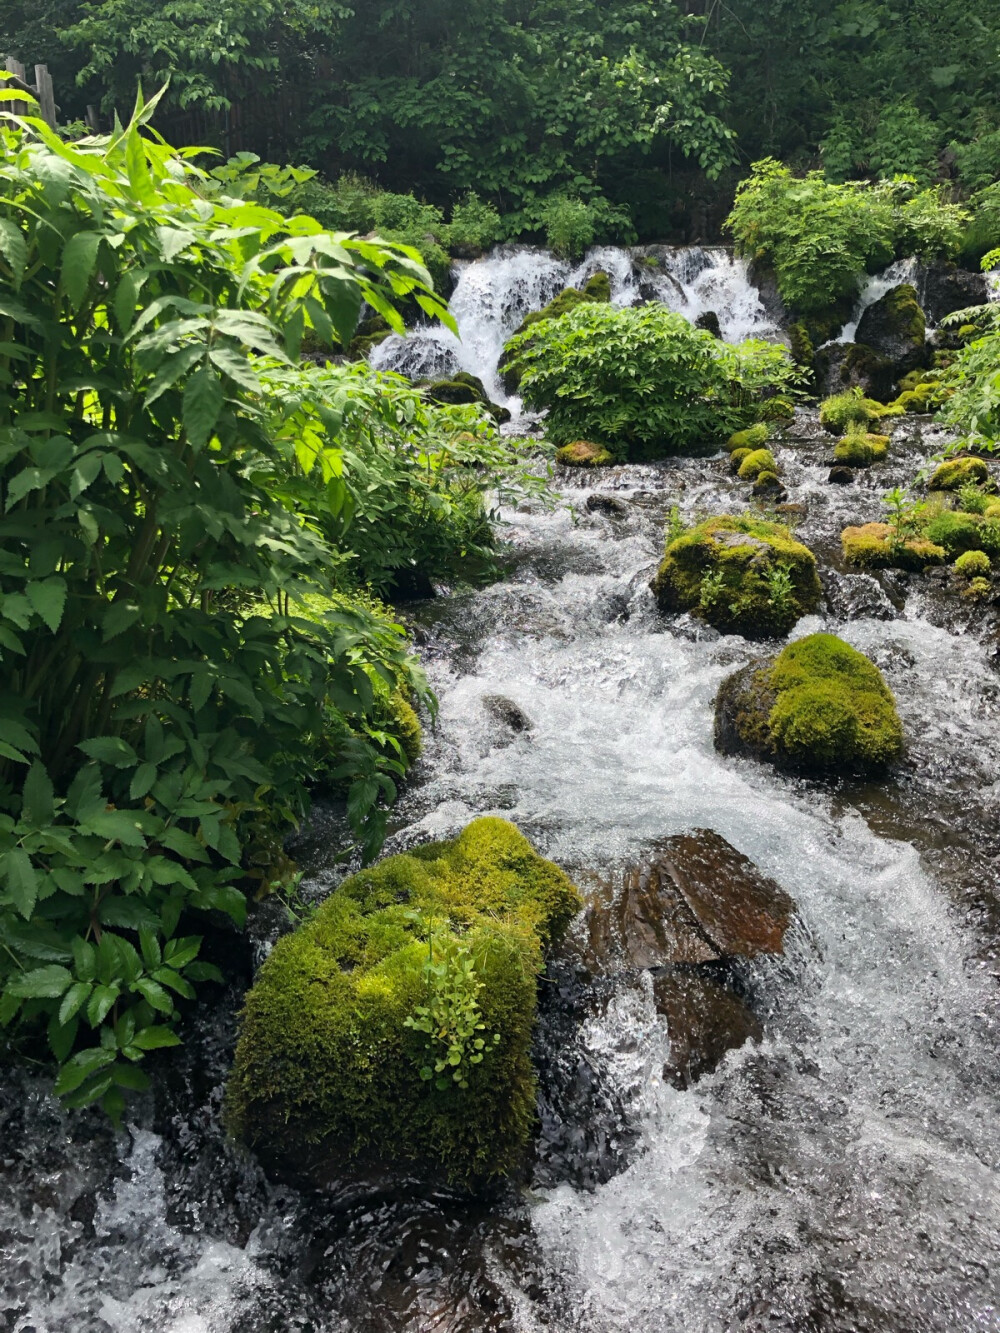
{"x":599,"y":503}
{"x":507,"y":713}
{"x":945,"y":289}
{"x":841,"y":475}
{"x":689,"y":914}
{"x":894,"y":326}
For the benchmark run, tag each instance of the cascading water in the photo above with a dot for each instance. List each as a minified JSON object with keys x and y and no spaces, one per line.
{"x":493,"y":295}
{"x":840,"y":1177}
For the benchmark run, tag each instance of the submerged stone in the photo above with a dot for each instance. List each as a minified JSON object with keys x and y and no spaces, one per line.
{"x":393,"y":1029}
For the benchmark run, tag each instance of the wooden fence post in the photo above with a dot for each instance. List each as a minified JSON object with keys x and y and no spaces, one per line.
{"x":46,"y":95}
{"x":42,"y":90}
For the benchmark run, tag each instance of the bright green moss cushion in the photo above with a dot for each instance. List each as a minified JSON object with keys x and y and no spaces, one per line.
{"x":329,"y":1075}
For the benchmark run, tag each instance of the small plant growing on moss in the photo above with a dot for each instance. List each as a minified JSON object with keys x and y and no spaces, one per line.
{"x":676,"y":527}
{"x":904,"y":515}
{"x":451,"y":1019}
{"x":836,"y":414}
{"x":780,"y":589}
{"x":973,"y":500}
{"x":711,"y":590}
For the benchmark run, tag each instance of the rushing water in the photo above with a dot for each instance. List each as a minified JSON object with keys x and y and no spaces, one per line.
{"x":839,"y":1177}
{"x":493,"y":295}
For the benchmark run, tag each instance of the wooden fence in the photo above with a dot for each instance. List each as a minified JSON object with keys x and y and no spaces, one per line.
{"x":42,"y":90}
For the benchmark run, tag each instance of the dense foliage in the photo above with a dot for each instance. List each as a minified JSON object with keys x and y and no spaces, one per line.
{"x":180,"y":501}
{"x":643,"y":382}
{"x":820,"y":238}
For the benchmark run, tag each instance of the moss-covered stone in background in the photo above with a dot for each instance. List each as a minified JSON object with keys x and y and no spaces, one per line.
{"x":742,"y":575}
{"x":820,"y":705}
{"x":584,"y":453}
{"x":328,"y":1074}
{"x":872,"y":546}
{"x":958,"y":472}
{"x":895,"y":327}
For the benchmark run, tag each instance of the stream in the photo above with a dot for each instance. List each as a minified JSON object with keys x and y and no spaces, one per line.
{"x":840,"y":1175}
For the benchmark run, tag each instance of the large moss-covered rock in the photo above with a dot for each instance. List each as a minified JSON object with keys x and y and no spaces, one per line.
{"x":743,"y":575}
{"x":820,"y":706}
{"x":839,"y":366}
{"x":894,"y":326}
{"x":334,"y":1073}
{"x":859,"y":448}
{"x":584,"y":453}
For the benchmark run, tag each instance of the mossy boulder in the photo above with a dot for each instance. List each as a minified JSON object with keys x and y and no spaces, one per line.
{"x":839,"y":366}
{"x":859,"y":448}
{"x":738,"y":457}
{"x":819,"y":706}
{"x":756,"y":462}
{"x":958,"y":472}
{"x":754,"y":437}
{"x":873,"y":546}
{"x":778,"y":409}
{"x":767,"y":486}
{"x":464,"y":388}
{"x":743,"y":575}
{"x":895,"y":327}
{"x":334,"y":1074}
{"x":584,"y":453}
{"x":973,"y":565}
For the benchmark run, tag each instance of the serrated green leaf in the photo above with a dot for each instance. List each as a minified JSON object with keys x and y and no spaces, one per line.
{"x":81,"y":1066}
{"x":48,"y":597}
{"x":78,"y":263}
{"x":21,"y":879}
{"x":155,"y":1038}
{"x":14,"y":249}
{"x":42,"y":983}
{"x":38,"y":798}
{"x":203,"y":399}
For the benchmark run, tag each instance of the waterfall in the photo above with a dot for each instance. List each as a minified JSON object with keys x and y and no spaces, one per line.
{"x":492,"y":296}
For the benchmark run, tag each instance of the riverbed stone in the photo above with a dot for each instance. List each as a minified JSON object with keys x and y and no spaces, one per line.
{"x":705,"y":1019}
{"x":895,"y":327}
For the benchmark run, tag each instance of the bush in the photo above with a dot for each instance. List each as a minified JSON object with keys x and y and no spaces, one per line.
{"x":157,"y":729}
{"x":843,"y":410}
{"x":394,"y":1028}
{"x":742,"y":575}
{"x":475,"y":225}
{"x":572,"y":224}
{"x":820,"y":706}
{"x":821,"y":238}
{"x":641,"y":382}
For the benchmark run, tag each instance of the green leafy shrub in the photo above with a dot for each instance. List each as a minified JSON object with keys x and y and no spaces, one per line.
{"x":820,"y":706}
{"x":155,"y":729}
{"x":394,"y":1028}
{"x":726,"y":571}
{"x":475,"y":225}
{"x":821,"y":238}
{"x":571,"y":223}
{"x":642,"y":382}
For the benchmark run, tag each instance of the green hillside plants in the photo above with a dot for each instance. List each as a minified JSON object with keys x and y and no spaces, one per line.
{"x":155,"y":728}
{"x":394,"y":1028}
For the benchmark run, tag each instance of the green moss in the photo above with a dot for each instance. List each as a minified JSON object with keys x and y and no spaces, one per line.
{"x":742,"y":575}
{"x":992,"y":510}
{"x":751,"y":438}
{"x":958,"y":472}
{"x":327,"y":1072}
{"x":403,"y":723}
{"x":977,"y":589}
{"x":957,"y":532}
{"x":767,"y":483}
{"x":760,"y":460}
{"x":801,"y":345}
{"x":843,"y":410}
{"x":871,"y":546}
{"x":860,"y":449}
{"x":584,"y":453}
{"x":820,"y":706}
{"x":598,"y":288}
{"x":973,"y":564}
{"x":737,"y":458}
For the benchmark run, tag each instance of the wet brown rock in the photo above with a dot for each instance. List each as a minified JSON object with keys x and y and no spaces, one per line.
{"x":705,"y":1019}
{"x":741,"y":911}
{"x":695,"y":900}
{"x":507,"y":712}
{"x":841,"y":475}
